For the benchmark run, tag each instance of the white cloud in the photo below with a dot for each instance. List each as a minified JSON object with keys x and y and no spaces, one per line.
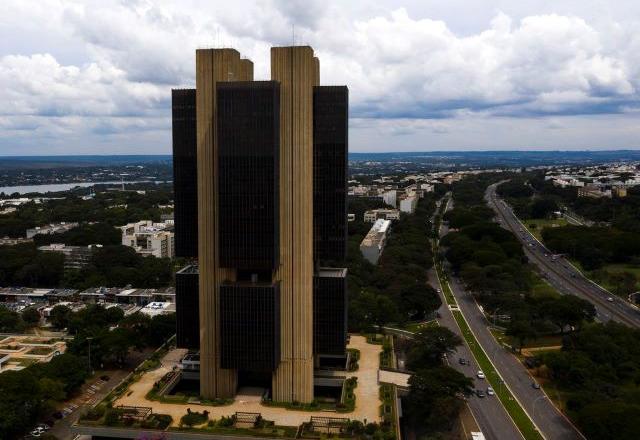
{"x":104,"y":69}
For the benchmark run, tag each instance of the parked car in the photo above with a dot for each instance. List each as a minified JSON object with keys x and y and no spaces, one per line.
{"x":490,"y":391}
{"x":610,"y":299}
{"x":462,"y":361}
{"x":480,"y":374}
{"x":535,"y":385}
{"x":480,"y":393}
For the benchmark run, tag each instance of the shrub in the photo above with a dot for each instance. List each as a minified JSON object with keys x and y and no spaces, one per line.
{"x":226,"y":422}
{"x":192,"y":418}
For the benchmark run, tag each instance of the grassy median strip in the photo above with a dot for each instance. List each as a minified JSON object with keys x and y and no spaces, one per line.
{"x":519,"y":416}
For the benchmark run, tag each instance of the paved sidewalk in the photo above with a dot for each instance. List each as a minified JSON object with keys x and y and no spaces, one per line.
{"x":367,"y":394}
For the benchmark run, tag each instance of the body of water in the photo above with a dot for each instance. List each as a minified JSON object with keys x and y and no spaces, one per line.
{"x":54,"y":187}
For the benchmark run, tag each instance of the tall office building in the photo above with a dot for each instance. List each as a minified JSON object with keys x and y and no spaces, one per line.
{"x":270,"y":167}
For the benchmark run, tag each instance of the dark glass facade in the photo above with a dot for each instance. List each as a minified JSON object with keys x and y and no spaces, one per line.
{"x":248,"y":174}
{"x":330,"y":311}
{"x":330,"y":150}
{"x":185,"y":172}
{"x":187,"y":310}
{"x":250,"y":326}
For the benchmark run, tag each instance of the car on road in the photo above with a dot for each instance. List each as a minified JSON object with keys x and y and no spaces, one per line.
{"x":480,"y":393}
{"x":462,"y":361}
{"x":480,"y":374}
{"x":535,"y":385}
{"x":490,"y":391}
{"x":610,"y":299}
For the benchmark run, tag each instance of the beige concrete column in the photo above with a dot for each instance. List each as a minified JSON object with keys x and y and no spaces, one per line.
{"x":297,"y":71}
{"x":212,"y":65}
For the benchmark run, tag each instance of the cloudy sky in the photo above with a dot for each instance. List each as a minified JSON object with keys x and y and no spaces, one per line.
{"x":94,"y":77}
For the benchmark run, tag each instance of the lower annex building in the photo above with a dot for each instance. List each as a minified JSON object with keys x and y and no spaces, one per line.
{"x":260,"y":182}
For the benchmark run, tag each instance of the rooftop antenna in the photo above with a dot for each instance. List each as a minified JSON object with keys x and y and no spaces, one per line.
{"x":293,"y":34}
{"x":218,"y":36}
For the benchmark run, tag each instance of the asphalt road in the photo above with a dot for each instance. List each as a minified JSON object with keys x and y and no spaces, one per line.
{"x":492,"y":418}
{"x":560,"y":273}
{"x":549,"y":420}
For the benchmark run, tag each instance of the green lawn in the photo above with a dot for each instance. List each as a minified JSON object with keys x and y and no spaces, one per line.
{"x":542,"y":341}
{"x":601,"y":276}
{"x":519,"y":416}
{"x":415,"y":326}
{"x":535,"y":226}
{"x":541,"y":288}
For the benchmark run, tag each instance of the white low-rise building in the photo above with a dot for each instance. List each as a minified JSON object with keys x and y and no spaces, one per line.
{"x":149,"y":238}
{"x":408,"y":204}
{"x":384,"y":214}
{"x":373,"y":244}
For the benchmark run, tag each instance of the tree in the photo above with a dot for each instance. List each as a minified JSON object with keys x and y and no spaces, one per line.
{"x":68,"y":369}
{"x":20,"y":402}
{"x":10,"y":321}
{"x":430,"y":345}
{"x":59,"y":316}
{"x":609,"y":420}
{"x":623,"y":283}
{"x":31,"y":316}
{"x":543,"y":207}
{"x":568,"y":311}
{"x":431,"y":391}
{"x":521,"y":329}
{"x":419,"y":300}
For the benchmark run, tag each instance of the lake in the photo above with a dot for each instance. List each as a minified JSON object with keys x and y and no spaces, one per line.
{"x":25,"y":189}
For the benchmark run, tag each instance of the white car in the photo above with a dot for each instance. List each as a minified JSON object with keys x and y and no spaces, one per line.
{"x":490,"y":391}
{"x":610,"y":299}
{"x":480,"y":374}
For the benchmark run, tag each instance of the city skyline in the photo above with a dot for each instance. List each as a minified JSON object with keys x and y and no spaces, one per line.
{"x":423,"y":76}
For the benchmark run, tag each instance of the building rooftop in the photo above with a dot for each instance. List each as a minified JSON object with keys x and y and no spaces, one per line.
{"x":332,"y":272}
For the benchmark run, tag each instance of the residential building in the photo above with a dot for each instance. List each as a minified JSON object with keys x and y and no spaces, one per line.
{"x":408,"y":204}
{"x":373,"y":215}
{"x":53,"y":228}
{"x":593,"y":191}
{"x":389,"y":197}
{"x":261,"y":240}
{"x":619,"y":191}
{"x":373,"y":243}
{"x":149,"y":238}
{"x":10,"y":241}
{"x":75,"y":257}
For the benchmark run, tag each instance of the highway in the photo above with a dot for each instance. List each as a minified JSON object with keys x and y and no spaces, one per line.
{"x":492,"y":418}
{"x":559,"y":272}
{"x":548,"y":419}
{"x":488,"y":412}
{"x":551,"y":423}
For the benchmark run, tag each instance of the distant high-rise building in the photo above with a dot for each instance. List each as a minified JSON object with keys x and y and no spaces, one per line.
{"x":271,"y":172}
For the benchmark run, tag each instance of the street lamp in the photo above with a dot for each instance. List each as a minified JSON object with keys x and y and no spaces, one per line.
{"x":495,"y":316}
